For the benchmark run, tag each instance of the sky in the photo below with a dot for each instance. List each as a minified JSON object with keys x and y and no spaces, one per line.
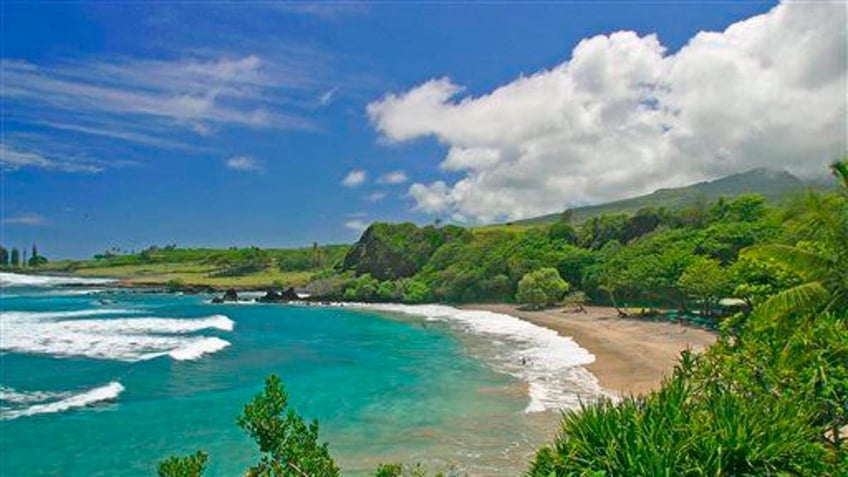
{"x":127,"y":124}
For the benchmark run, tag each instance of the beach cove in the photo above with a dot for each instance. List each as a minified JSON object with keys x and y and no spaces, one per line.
{"x":476,"y":388}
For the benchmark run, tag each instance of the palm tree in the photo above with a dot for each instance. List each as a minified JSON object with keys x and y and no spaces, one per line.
{"x":840,"y":170}
{"x":820,"y":258}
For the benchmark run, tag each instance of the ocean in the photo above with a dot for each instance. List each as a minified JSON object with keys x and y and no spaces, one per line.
{"x":96,"y":381}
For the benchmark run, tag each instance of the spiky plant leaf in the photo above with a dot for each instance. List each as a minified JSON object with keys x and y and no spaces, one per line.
{"x":806,"y":264}
{"x":805,"y":298}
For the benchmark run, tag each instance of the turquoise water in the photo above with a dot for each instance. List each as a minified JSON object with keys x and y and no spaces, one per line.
{"x":98,"y":383}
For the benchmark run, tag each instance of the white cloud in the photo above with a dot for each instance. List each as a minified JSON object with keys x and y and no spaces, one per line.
{"x":375,"y":196}
{"x":357,"y":225}
{"x":139,"y":138}
{"x":394,"y":177}
{"x":355,"y":178}
{"x":325,"y":10}
{"x":28,"y":219}
{"x":12,"y":159}
{"x":245,"y":163}
{"x":151,"y":98}
{"x":328,"y":97}
{"x":623,"y":117}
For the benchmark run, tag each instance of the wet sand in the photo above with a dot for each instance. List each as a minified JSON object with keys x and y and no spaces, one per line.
{"x":631,"y":355}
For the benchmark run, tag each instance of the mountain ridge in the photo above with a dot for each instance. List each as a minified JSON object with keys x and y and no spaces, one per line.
{"x":774,"y":184}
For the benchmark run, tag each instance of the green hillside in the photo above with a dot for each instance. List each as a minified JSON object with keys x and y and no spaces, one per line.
{"x":773,"y":185}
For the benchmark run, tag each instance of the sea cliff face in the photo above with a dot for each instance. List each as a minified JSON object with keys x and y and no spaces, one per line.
{"x":392,"y":251}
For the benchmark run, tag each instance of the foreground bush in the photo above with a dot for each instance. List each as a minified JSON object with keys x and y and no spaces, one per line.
{"x":289,"y":446}
{"x":686,"y":429}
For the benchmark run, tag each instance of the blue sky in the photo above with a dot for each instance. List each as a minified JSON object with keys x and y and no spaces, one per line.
{"x":206,"y":124}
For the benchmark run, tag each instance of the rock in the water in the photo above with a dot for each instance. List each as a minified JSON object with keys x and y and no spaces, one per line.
{"x":272,"y":296}
{"x":229,"y":295}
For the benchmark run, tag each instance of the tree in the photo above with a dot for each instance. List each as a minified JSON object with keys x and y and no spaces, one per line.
{"x":15,"y":259}
{"x":542,"y":287}
{"x":288,"y":445}
{"x":756,"y":280}
{"x":819,"y":257}
{"x":187,"y":466}
{"x":36,"y":260}
{"x":563,"y":229}
{"x":744,"y":208}
{"x":705,"y":280}
{"x":364,"y":288}
{"x":645,"y":220}
{"x":4,"y":257}
{"x":840,"y":170}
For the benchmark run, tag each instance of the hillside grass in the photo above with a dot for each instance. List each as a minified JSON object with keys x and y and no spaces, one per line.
{"x":218,"y":268}
{"x":182,"y":273}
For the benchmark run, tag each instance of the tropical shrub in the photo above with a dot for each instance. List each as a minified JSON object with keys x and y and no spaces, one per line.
{"x":542,"y":287}
{"x":288,"y":446}
{"x":188,"y":466}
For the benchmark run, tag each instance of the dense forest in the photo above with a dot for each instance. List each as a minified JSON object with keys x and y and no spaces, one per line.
{"x":679,"y":259}
{"x":769,"y":398}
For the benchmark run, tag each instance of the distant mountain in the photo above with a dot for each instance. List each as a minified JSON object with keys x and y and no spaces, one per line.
{"x":772,"y":184}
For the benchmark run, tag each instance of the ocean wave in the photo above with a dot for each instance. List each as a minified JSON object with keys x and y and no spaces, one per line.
{"x":121,"y":339}
{"x":10,"y":395}
{"x":552,"y":365}
{"x":65,"y":401}
{"x":21,"y":280}
{"x":53,"y":315}
{"x":196,"y":349}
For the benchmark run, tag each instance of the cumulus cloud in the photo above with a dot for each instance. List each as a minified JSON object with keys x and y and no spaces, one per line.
{"x":355,"y":178}
{"x":244,"y":163}
{"x":394,"y":177}
{"x":32,"y":220}
{"x":622,"y":116}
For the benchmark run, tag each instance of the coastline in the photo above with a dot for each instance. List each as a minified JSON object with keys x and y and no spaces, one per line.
{"x":631,"y":356}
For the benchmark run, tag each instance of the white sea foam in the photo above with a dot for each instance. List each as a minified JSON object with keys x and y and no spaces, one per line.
{"x":13,"y":396}
{"x":19,"y":279}
{"x":196,"y":349}
{"x":64,"y":402}
{"x":53,"y":315}
{"x":551,"y":364}
{"x":121,"y":339}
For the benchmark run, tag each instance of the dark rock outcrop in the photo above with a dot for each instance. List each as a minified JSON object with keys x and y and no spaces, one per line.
{"x":229,"y":295}
{"x":273,"y":296}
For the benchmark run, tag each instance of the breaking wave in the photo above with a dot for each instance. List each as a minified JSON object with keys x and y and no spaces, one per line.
{"x":69,"y":333}
{"x":552,"y":365}
{"x":21,"y":280}
{"x":48,"y":402}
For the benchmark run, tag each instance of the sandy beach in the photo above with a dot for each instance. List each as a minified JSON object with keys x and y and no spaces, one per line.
{"x":632,"y":355}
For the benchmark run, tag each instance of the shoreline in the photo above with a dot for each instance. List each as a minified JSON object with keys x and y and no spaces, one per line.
{"x":631,"y":356}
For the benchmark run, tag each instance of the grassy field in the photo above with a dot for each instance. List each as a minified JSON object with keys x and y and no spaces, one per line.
{"x":221,"y":268}
{"x":185,"y":274}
